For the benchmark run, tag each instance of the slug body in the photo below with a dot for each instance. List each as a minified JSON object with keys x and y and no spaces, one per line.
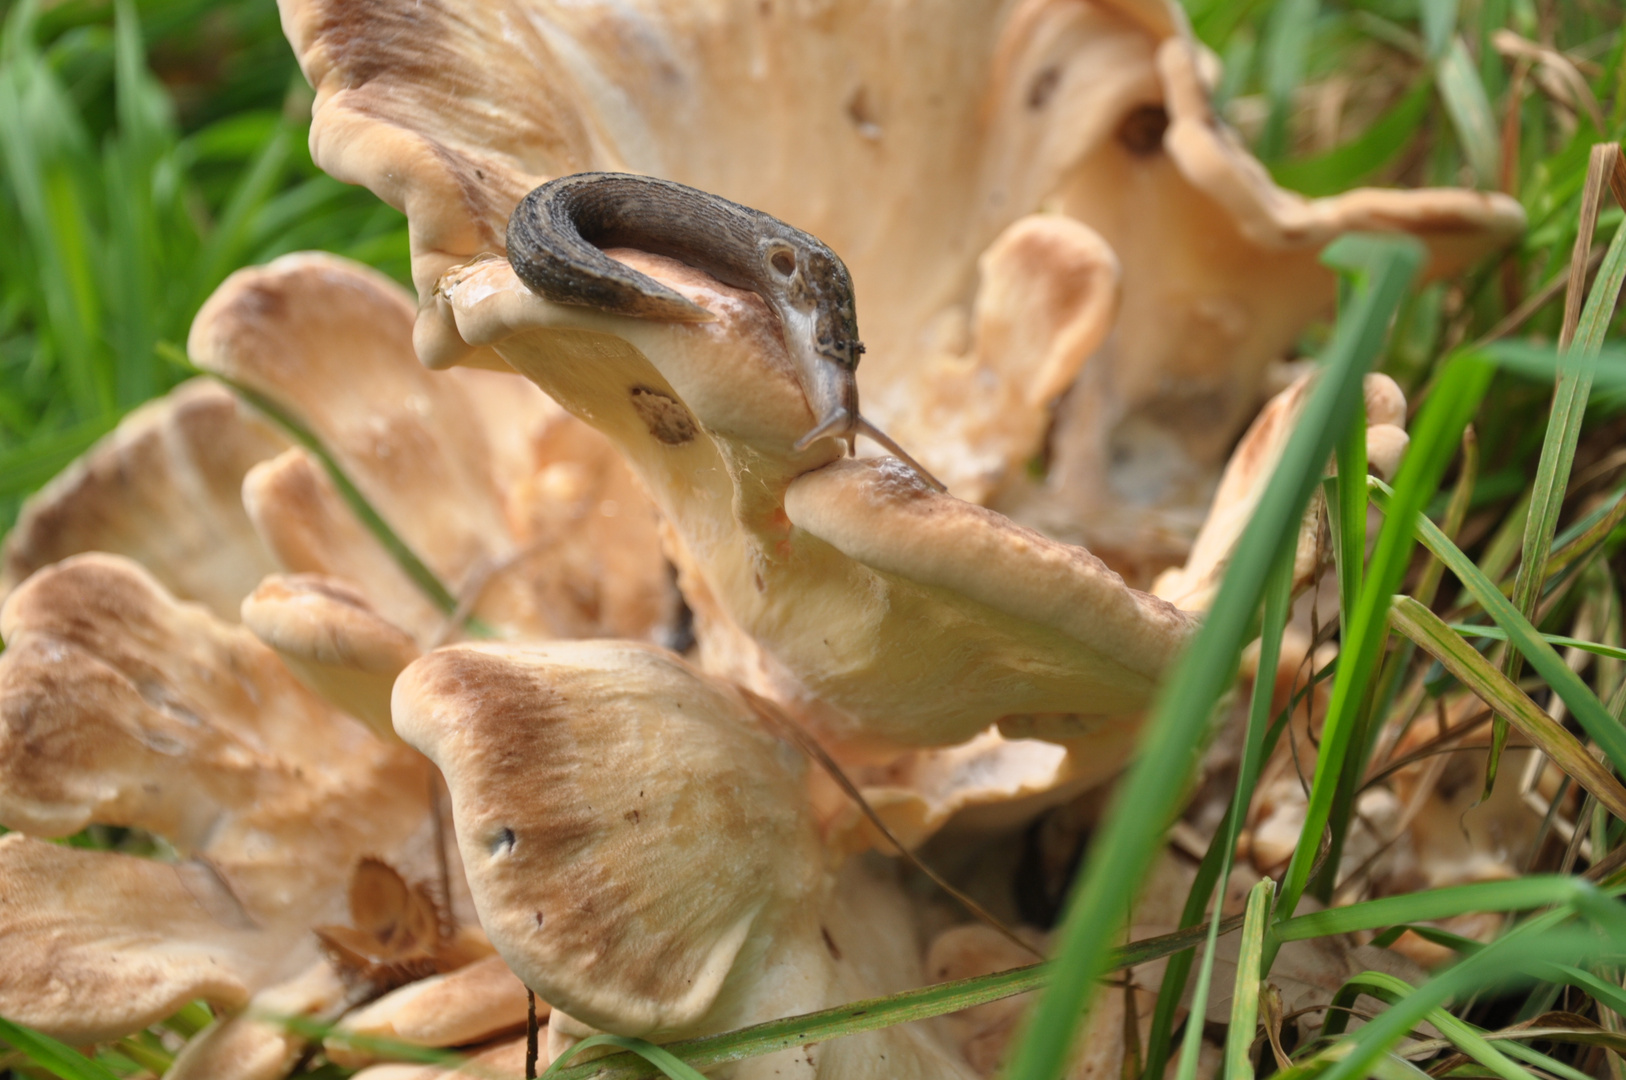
{"x":556,"y":234}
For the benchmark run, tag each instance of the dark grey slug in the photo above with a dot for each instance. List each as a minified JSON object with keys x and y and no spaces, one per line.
{"x":555,"y":241}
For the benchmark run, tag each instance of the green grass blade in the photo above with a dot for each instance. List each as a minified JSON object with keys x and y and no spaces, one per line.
{"x":1456,"y":512}
{"x":1215,"y":870}
{"x":26,"y":467}
{"x":1439,"y":25}
{"x":1585,"y":706}
{"x":1586,"y":540}
{"x":669,"y":1065}
{"x":1519,"y":894}
{"x":229,"y":240}
{"x":1348,"y":516}
{"x":137,"y":229}
{"x":1606,"y":992}
{"x":54,"y":1057}
{"x":1468,"y":106}
{"x":1147,"y":797}
{"x":1541,"y":1061}
{"x":1577,"y":366}
{"x":874,"y":1014}
{"x":1459,"y":1034}
{"x":1496,"y":633}
{"x":1286,"y":44}
{"x":1245,"y":996}
{"x":1436,"y":435}
{"x":1347,"y":511}
{"x":1513,"y":956}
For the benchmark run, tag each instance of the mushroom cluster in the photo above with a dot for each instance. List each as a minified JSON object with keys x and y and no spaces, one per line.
{"x":443,"y":647}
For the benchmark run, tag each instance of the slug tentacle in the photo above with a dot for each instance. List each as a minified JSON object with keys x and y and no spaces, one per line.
{"x":556,"y":238}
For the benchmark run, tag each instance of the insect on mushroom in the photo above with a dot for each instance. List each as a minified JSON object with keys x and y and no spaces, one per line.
{"x":555,"y":241}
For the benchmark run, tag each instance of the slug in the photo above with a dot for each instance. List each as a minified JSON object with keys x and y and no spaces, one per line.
{"x":555,"y":241}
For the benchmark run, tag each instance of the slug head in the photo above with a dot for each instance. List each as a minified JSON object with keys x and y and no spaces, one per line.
{"x":810,"y":288}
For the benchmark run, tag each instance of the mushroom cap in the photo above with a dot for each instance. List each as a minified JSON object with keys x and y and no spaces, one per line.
{"x":920,"y":618}
{"x":313,"y":334}
{"x":162,"y":489}
{"x":257,"y":1043}
{"x":870,"y":126}
{"x":664,"y":842}
{"x":1192,"y":587}
{"x":120,"y":706}
{"x":99,"y":944}
{"x":329,"y":635}
{"x":643,"y":854}
{"x":311,"y":530}
{"x":476,"y":473}
{"x":471,"y":1005}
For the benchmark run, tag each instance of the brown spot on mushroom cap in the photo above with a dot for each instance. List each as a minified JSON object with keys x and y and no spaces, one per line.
{"x":643,"y":924}
{"x":163,"y":489}
{"x":668,"y":420}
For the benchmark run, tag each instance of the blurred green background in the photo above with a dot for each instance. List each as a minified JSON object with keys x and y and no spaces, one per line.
{"x":150,"y":147}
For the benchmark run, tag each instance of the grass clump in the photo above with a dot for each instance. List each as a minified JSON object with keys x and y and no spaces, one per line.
{"x":130,"y":199}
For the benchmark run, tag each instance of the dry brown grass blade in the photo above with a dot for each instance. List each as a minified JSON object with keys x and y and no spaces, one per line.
{"x":1565,"y":81}
{"x":1606,"y":169}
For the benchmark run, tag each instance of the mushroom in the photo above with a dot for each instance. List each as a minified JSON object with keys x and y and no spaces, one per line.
{"x":1220,"y":275}
{"x":672,"y":883}
{"x":332,"y":639}
{"x":919,"y":634}
{"x":1070,"y":143}
{"x":1192,"y":586}
{"x":311,"y":531}
{"x":472,"y":1005}
{"x":921,"y":618}
{"x":120,"y":706}
{"x":99,"y":944}
{"x":162,"y":489}
{"x":458,"y":465}
{"x":258,"y":1043}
